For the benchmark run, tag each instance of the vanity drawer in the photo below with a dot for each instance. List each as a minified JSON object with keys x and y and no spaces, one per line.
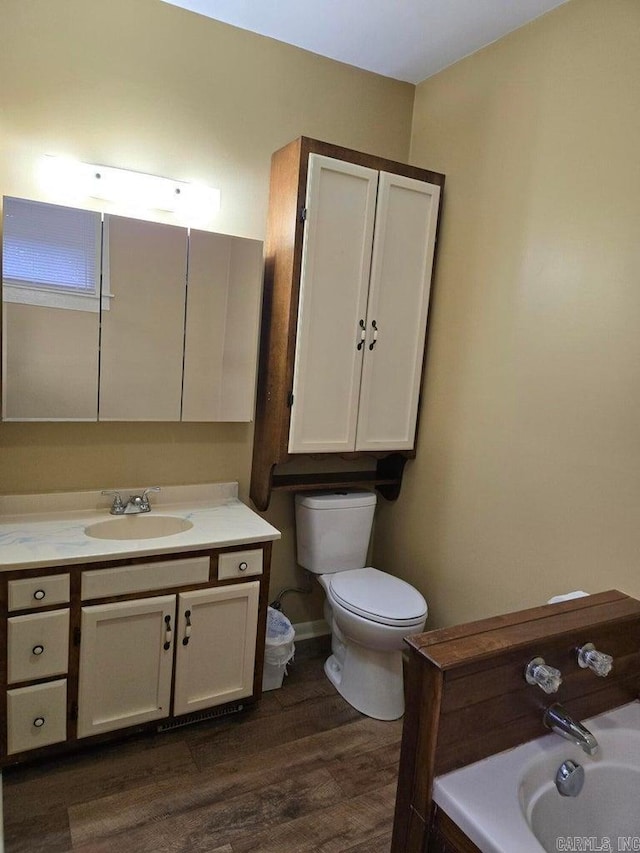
{"x":239,"y":564}
{"x":144,"y":577}
{"x":36,"y":716}
{"x":28,"y":593}
{"x":37,"y":645}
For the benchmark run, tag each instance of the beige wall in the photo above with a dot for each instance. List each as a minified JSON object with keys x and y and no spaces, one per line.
{"x":146,"y":86}
{"x":527,"y":479}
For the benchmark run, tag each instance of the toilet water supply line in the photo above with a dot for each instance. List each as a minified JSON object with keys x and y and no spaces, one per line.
{"x":277,"y":601}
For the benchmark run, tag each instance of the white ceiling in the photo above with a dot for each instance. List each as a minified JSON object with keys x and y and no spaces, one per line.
{"x":406,"y":39}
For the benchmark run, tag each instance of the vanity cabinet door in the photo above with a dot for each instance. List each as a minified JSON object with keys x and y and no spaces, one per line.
{"x":126,"y":656}
{"x":142,"y":337}
{"x":215,"y":646}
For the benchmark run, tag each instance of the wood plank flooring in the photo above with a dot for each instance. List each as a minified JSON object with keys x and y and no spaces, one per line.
{"x":301,"y":773}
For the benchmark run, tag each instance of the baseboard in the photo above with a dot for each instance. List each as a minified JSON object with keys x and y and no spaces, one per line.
{"x":309,"y":630}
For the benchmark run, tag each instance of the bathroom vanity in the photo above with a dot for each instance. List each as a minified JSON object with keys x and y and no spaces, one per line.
{"x":114,"y":623}
{"x":468,"y":699}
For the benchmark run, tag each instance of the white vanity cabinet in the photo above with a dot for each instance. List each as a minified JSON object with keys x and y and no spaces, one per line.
{"x":127,"y":655}
{"x":103,"y":647}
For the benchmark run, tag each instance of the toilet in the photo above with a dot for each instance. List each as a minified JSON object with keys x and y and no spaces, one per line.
{"x":369,"y":611}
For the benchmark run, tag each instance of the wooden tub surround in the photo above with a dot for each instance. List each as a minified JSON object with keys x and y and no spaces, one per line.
{"x":467,"y":697}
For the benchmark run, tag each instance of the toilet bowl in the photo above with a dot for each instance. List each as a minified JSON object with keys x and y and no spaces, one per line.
{"x":369,"y":611}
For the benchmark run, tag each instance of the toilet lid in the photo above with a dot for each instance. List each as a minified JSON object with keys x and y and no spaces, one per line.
{"x":378,"y":596}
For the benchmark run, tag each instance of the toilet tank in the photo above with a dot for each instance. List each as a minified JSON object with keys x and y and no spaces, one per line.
{"x":333,"y":530}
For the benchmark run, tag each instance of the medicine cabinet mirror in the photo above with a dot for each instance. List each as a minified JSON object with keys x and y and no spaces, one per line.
{"x":116,"y":319}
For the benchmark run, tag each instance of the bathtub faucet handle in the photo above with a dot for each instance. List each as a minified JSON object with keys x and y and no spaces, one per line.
{"x":548,"y":678}
{"x":598,"y":662}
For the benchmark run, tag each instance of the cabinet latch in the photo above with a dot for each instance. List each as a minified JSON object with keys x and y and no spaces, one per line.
{"x":76,"y":636}
{"x":290,"y":399}
{"x":303,"y":214}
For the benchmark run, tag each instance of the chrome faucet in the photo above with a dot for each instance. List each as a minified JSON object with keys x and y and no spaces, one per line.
{"x":135,"y":503}
{"x":560,"y":721}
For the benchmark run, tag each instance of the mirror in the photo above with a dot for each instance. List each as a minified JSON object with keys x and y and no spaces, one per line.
{"x":51,"y":312}
{"x":118,"y":319}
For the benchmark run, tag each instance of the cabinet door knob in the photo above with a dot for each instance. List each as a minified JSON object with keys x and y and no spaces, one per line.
{"x":363,"y":334}
{"x":39,"y":594}
{"x":38,"y":722}
{"x":37,"y":650}
{"x":242,"y":567}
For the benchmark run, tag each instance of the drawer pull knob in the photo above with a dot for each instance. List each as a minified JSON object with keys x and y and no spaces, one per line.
{"x":39,"y":594}
{"x":37,"y":650}
{"x":167,"y":633}
{"x":243,"y":566}
{"x":187,"y":628}
{"x":38,"y":722}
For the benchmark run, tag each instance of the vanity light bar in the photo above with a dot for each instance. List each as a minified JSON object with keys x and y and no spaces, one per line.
{"x":131,"y":189}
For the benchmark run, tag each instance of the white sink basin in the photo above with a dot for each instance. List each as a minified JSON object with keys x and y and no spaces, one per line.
{"x":140,"y":526}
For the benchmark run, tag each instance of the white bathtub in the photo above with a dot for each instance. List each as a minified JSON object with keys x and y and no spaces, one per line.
{"x":508,"y":803}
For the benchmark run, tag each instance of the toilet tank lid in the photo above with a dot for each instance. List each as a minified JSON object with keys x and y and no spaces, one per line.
{"x":335,"y":500}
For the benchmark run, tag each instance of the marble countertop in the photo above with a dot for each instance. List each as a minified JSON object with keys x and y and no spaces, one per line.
{"x":49,"y":530}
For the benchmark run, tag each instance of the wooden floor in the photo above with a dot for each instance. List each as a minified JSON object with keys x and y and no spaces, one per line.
{"x":302,"y":772}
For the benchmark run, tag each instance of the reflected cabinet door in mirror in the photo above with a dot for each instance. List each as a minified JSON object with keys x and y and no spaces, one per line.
{"x":144,"y":282}
{"x":51,"y":312}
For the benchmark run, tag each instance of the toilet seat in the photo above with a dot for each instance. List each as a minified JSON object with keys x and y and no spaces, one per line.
{"x":378,"y":597}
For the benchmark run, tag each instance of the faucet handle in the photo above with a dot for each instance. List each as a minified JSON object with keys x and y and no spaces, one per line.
{"x":148,"y":490}
{"x":117,"y":506}
{"x":548,"y":678}
{"x":598,"y":662}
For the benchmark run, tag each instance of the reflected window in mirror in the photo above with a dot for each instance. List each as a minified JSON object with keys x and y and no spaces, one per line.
{"x":51,"y":255}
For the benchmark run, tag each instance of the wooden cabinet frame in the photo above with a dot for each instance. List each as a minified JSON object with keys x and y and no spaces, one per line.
{"x":283,"y":259}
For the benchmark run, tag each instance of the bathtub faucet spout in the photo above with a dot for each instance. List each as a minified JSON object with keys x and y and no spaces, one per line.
{"x":560,"y":721}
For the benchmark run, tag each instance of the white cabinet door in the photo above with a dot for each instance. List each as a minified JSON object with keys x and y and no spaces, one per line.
{"x":403,"y":248}
{"x":336,"y":259}
{"x":126,"y":657}
{"x":216,"y":644}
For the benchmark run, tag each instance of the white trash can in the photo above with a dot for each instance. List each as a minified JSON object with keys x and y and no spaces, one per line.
{"x":279,"y":649}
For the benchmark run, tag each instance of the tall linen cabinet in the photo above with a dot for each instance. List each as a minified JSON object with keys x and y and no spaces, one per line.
{"x":349,"y":258}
